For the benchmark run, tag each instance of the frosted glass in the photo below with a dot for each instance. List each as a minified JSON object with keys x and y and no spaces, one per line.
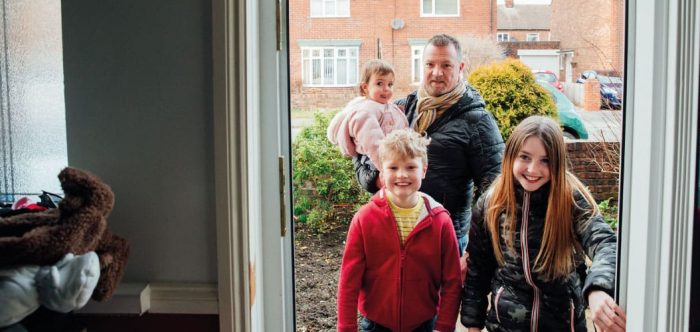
{"x":32,"y":121}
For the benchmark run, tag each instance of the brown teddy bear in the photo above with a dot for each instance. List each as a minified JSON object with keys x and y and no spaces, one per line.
{"x":77,"y":226}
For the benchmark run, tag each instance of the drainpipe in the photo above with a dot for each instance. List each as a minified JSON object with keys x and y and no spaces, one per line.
{"x":491,"y":15}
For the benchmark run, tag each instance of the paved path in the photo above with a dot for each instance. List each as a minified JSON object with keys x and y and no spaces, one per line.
{"x":602,"y":125}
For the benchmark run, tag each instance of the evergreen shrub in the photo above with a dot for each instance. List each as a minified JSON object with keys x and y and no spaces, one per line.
{"x":326,"y":193}
{"x":511,"y":93}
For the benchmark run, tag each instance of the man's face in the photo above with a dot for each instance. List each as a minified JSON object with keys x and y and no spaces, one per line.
{"x":442,"y":69}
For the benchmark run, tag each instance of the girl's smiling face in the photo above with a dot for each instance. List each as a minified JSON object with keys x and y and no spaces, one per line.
{"x":531,"y":165}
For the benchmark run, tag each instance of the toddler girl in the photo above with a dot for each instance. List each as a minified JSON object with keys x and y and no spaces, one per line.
{"x":366,"y":119}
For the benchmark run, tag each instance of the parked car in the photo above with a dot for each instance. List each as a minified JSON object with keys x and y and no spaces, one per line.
{"x":570,"y":121}
{"x":611,"y":88}
{"x":549,"y":77}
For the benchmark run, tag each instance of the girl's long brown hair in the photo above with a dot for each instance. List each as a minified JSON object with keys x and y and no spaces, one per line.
{"x":556,"y":256}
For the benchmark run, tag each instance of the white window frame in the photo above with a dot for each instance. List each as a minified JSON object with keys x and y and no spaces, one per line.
{"x":324,"y":6}
{"x":534,"y":36}
{"x":416,"y":54}
{"x":307,"y":79}
{"x":502,"y":36}
{"x":432,"y":10}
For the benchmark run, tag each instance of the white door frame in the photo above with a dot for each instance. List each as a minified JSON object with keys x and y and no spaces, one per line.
{"x":660,"y":144}
{"x":251,"y":133}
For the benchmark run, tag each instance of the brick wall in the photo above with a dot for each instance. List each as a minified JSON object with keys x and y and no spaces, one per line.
{"x":370,"y":21}
{"x":594,"y":164}
{"x":591,"y":95}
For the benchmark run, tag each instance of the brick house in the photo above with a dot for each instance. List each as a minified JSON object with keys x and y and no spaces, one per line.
{"x":596,"y":38}
{"x":574,"y":35}
{"x":329,"y":40}
{"x":524,"y":32}
{"x":528,"y":23}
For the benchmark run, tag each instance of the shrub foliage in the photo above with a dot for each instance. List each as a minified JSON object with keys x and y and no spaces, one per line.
{"x":511,"y":93}
{"x":325,"y":191}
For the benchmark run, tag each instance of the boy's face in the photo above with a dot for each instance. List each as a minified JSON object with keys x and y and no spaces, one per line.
{"x":380,"y":88}
{"x":403,"y":177}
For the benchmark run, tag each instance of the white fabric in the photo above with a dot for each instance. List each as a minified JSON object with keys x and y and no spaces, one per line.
{"x":63,"y":287}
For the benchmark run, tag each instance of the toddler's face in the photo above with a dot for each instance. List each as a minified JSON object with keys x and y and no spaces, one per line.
{"x":380,"y":88}
{"x":531,"y":165}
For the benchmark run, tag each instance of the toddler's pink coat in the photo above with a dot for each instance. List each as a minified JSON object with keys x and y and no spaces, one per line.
{"x":358,"y":128}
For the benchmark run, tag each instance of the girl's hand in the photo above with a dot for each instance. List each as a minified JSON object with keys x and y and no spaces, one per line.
{"x":473,"y":329}
{"x":606,"y":315}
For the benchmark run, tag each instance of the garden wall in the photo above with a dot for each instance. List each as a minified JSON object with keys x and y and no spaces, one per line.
{"x":597,"y":165}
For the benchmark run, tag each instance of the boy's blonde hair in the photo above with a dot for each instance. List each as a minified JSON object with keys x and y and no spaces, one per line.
{"x":372,"y":67}
{"x":404,"y":143}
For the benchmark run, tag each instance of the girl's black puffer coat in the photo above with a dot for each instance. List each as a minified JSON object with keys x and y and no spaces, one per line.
{"x":520,"y":299}
{"x":465,"y":150}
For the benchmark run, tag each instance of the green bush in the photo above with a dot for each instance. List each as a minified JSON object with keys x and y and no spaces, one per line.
{"x":511,"y":93}
{"x":326,"y":193}
{"x":609,"y":212}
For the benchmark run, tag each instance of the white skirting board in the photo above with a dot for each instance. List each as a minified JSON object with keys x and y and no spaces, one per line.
{"x":160,"y":298}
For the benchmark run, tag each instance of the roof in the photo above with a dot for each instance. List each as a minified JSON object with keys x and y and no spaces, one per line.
{"x":524,"y":17}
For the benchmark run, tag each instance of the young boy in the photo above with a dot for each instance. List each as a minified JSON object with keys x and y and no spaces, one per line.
{"x":401,"y":262}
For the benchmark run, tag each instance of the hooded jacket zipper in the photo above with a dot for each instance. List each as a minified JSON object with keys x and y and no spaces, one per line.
{"x":495,"y":303}
{"x":535,"y":312}
{"x":402,"y":251}
{"x":571,"y":310}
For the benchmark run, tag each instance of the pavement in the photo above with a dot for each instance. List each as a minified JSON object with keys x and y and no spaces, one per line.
{"x":602,"y":125}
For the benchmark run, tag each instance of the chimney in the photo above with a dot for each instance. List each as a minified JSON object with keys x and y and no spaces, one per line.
{"x":509,"y":3}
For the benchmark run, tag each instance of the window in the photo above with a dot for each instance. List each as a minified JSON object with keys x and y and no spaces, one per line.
{"x":33,"y":147}
{"x":439,"y":8}
{"x":416,"y":63}
{"x":330,"y":8}
{"x":502,"y":37}
{"x":329,"y":66}
{"x":533,"y":37}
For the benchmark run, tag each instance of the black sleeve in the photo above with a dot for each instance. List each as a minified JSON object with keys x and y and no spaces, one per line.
{"x":486,"y":151}
{"x":481,"y":268}
{"x":366,"y":173}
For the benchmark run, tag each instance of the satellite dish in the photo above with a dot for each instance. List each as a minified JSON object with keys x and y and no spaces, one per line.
{"x":397,"y":24}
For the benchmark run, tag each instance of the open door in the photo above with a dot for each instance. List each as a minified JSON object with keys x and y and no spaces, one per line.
{"x":252,"y":151}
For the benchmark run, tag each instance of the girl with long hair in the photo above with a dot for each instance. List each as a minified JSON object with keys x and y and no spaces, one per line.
{"x":530,"y":234}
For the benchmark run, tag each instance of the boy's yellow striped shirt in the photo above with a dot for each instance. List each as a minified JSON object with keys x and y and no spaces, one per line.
{"x":406,"y":219}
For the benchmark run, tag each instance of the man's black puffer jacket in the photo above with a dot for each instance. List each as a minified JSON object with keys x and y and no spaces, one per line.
{"x":466,"y":149}
{"x":555,"y":305}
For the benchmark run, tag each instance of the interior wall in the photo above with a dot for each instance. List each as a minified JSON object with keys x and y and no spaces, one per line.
{"x":138,"y":92}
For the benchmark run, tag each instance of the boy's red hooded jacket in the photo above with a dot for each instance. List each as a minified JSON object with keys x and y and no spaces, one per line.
{"x":399,"y":287}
